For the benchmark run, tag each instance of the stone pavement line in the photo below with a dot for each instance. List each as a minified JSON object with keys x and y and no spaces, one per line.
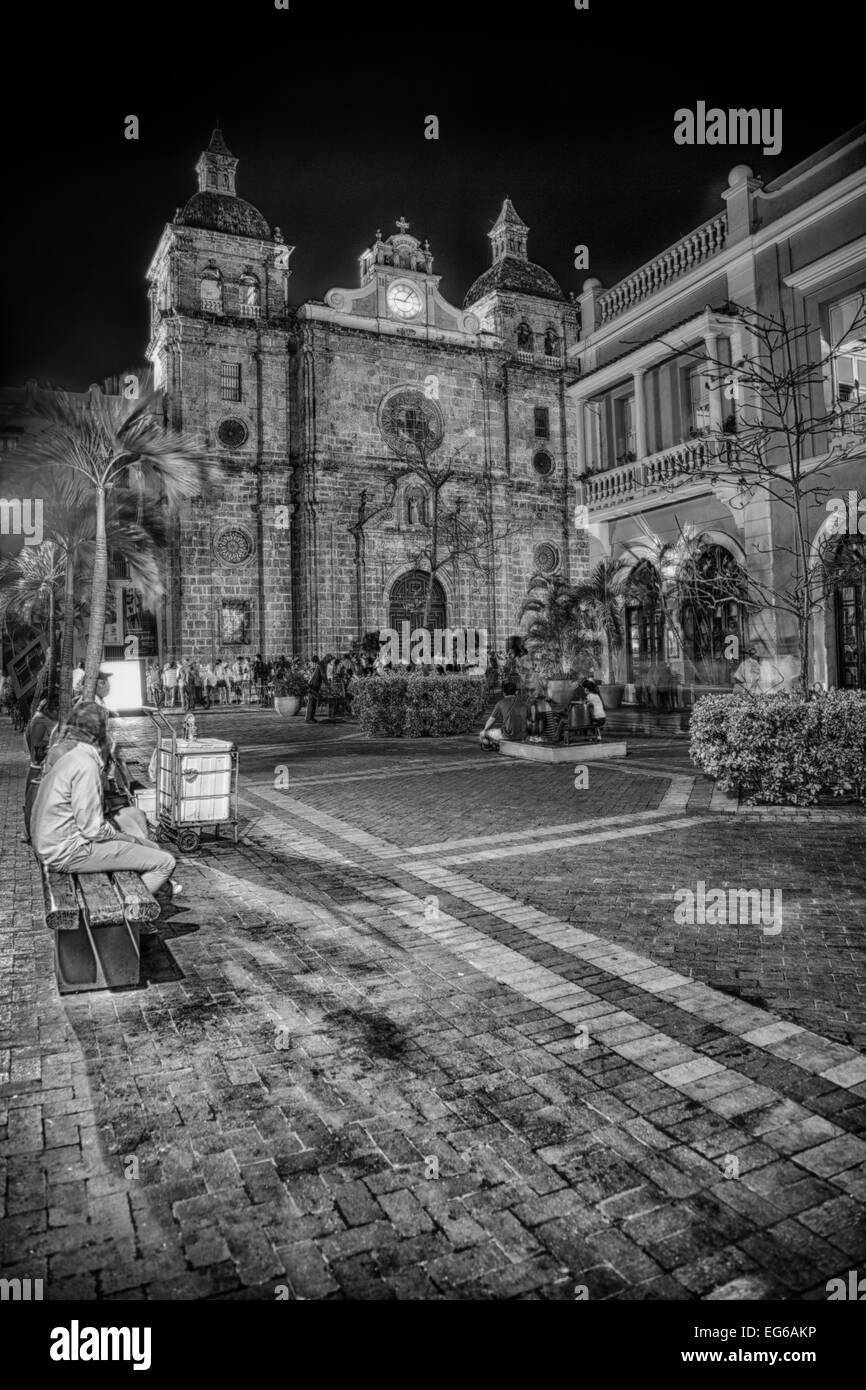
{"x":810,"y":1052}
{"x":591,"y":838}
{"x":404,"y":771}
{"x":570,"y":827}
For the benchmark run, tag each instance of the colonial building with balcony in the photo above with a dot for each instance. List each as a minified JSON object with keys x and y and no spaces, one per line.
{"x":663,"y":424}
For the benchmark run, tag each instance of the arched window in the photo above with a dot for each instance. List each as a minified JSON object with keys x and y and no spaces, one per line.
{"x":714,"y":593}
{"x":645,"y":623}
{"x":248,"y":296}
{"x":525,"y":342}
{"x":846,"y":580}
{"x":211,"y":291}
{"x":551,"y":343}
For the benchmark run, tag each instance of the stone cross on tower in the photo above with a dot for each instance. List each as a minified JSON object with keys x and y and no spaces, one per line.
{"x":402,"y":225}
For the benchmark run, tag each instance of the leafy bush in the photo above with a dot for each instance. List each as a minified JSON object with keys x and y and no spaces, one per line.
{"x":417,"y":706}
{"x":782,"y":749}
{"x":292,"y":682}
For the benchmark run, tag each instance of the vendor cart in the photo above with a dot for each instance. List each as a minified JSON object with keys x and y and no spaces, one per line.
{"x":196,"y":786}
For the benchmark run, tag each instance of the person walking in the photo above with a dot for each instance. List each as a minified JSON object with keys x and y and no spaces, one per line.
{"x":182,"y":684}
{"x":235,"y":676}
{"x":196,"y":680}
{"x":77,"y":681}
{"x":246,"y":680}
{"x":169,"y":682}
{"x":210,"y":681}
{"x":69,"y":830}
{"x":258,"y":674}
{"x":221,"y":682}
{"x":314,"y":689}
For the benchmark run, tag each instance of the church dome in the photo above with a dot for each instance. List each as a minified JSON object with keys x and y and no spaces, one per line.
{"x":515,"y":275}
{"x":224,"y":212}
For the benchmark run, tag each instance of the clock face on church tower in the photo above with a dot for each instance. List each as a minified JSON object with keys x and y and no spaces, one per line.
{"x":404,"y":301}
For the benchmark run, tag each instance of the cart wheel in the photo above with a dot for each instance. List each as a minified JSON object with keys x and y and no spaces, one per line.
{"x":188,"y":841}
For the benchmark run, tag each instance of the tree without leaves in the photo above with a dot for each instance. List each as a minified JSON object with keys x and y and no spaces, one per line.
{"x":784,"y":448}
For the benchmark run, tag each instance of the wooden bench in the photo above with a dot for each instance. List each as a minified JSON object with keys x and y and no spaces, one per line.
{"x":96,"y":920}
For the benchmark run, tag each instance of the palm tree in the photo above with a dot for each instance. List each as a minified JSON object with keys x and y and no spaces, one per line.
{"x":136,"y":531}
{"x":601,"y":598}
{"x":29,"y":582}
{"x":105,"y":443}
{"x":555,"y":634}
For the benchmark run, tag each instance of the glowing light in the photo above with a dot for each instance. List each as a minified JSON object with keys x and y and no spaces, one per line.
{"x":126,"y":691}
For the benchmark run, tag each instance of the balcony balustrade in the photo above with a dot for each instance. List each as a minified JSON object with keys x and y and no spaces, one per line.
{"x":615,"y":486}
{"x":678,"y":260}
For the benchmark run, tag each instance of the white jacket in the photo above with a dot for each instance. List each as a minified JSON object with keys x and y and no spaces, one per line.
{"x":67,"y":814}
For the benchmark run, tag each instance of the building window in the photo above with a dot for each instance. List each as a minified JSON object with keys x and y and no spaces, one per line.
{"x":248,"y":296}
{"x":542,"y":422}
{"x":543,"y":464}
{"x":699,"y":400}
{"x":848,"y":344}
{"x":230,"y":381}
{"x":626,"y":439}
{"x":551,"y":343}
{"x":235,"y":622}
{"x":211,"y":293}
{"x":525,"y":341}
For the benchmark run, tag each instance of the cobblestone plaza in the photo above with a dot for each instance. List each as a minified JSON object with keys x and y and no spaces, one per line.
{"x":429,"y":1032}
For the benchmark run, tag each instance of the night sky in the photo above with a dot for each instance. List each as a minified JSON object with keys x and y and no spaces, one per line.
{"x":574,"y":126}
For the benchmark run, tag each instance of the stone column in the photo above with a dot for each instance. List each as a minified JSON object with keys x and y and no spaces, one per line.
{"x":639,"y":414}
{"x":580,"y":440}
{"x":711,"y":342}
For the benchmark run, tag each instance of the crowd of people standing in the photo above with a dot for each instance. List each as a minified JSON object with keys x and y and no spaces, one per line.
{"x":191,"y":684}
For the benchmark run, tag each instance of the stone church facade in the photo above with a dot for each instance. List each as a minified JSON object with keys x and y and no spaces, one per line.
{"x":315,"y":412}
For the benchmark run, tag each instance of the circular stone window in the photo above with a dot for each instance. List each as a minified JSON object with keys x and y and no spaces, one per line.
{"x":543,"y":464}
{"x":546,"y":558}
{"x":233,"y":545}
{"x":232,"y":433}
{"x":411,"y":422}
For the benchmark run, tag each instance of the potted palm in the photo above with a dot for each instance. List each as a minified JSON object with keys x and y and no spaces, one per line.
{"x":600,"y":597}
{"x":290,"y":687}
{"x":555,"y":637}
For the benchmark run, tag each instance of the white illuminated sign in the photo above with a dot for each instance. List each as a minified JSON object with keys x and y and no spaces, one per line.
{"x":126,"y":691}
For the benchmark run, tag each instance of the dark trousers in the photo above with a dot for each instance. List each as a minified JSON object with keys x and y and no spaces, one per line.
{"x":31,"y":788}
{"x":312,"y":702}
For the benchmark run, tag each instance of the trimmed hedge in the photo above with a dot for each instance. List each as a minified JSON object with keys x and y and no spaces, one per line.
{"x":782,"y":749}
{"x":420,"y":706}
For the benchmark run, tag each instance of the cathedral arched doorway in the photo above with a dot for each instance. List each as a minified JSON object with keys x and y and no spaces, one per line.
{"x":846,"y":573}
{"x":408,"y":598}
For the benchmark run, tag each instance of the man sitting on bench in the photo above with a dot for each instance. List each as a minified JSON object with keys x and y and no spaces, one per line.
{"x":69,"y":831}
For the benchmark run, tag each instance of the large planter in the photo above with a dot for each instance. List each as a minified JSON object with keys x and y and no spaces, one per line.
{"x":560,"y":691}
{"x":611,"y":695}
{"x":287,"y":705}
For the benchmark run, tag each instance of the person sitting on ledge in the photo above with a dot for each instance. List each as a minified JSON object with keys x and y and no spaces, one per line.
{"x":508,"y":720}
{"x":69,"y":829}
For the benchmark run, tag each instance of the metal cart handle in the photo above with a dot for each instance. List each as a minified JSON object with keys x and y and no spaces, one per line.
{"x":159,"y":718}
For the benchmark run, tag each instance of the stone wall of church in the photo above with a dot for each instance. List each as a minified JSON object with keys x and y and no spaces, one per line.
{"x":342,"y":378}
{"x":235,"y":547}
